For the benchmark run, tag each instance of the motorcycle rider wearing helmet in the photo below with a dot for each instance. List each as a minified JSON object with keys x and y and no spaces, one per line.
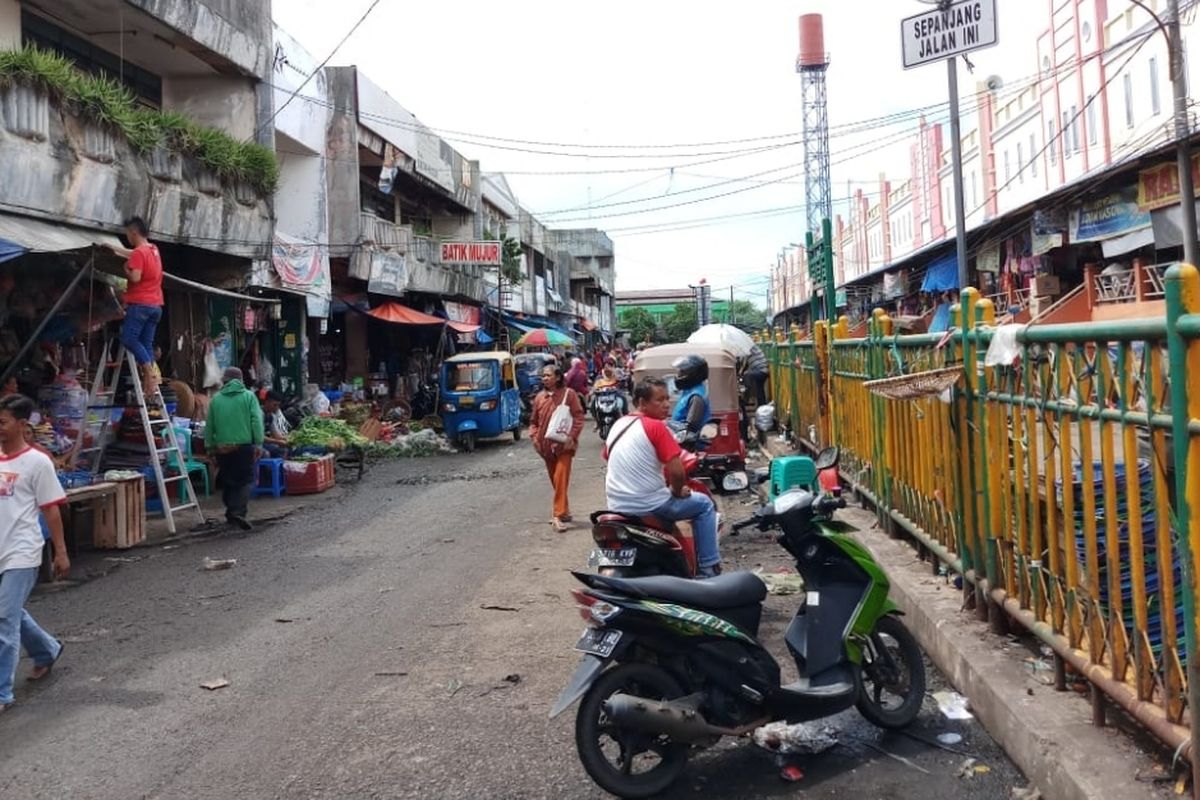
{"x":692,"y":409}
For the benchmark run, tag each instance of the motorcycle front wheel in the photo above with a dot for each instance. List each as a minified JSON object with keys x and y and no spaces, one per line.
{"x":893,"y":680}
{"x":604,"y":429}
{"x":621,"y":761}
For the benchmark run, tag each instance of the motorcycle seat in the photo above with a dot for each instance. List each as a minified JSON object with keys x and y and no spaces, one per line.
{"x":724,"y":591}
{"x":643,"y":520}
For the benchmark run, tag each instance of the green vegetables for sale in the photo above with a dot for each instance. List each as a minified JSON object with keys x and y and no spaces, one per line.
{"x":333,"y":434}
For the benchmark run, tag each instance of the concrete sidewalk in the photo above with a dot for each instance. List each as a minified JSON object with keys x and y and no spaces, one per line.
{"x":1048,"y":734}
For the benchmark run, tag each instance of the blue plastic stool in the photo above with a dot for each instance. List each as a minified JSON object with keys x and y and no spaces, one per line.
{"x":275,"y":487}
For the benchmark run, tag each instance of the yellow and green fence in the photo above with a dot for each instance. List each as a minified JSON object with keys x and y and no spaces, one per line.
{"x":1060,"y":478}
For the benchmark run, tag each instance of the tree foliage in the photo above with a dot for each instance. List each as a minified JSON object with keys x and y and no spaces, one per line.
{"x":746,"y":315}
{"x":640,"y":323}
{"x":681,"y":323}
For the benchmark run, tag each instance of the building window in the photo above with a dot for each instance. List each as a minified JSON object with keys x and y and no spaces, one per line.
{"x":1075,"y":127}
{"x":376,"y":202}
{"x":1155,"y":105}
{"x":1033,"y":155}
{"x":1128,"y":84}
{"x":1065,"y":133}
{"x":1091,"y":119}
{"x":1050,"y":143}
{"x":145,"y":85}
{"x":1007,"y":169}
{"x":1020,"y":163}
{"x":975,"y":190}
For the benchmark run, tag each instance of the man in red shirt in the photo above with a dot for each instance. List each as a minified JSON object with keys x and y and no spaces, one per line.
{"x":143,"y":298}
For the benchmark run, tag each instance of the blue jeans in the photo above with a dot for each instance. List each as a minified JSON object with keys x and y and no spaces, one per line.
{"x":18,"y":629}
{"x":137,"y":331}
{"x":700,"y":510}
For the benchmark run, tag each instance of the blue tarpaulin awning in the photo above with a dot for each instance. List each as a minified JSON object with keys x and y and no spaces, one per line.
{"x":9,"y":250}
{"x":941,"y":319}
{"x":941,"y":275}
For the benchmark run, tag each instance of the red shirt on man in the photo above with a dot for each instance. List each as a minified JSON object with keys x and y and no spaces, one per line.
{"x":147,"y":291}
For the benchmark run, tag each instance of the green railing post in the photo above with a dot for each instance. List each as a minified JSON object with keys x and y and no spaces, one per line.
{"x":880,"y":479}
{"x":1183,"y":297}
{"x":794,"y":369}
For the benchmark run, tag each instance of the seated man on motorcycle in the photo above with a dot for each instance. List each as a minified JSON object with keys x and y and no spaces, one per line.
{"x":692,"y":409}
{"x":638,"y":448}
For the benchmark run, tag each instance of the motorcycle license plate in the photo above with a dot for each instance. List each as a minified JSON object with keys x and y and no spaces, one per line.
{"x":598,"y":642}
{"x":612,"y":558}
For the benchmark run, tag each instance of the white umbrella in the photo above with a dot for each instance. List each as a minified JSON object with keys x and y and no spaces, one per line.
{"x":735,"y":340}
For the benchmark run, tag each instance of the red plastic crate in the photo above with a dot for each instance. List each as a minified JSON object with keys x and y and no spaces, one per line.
{"x":308,"y":477}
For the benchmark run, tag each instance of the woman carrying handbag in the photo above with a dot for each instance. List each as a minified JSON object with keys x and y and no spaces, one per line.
{"x":554,"y":427}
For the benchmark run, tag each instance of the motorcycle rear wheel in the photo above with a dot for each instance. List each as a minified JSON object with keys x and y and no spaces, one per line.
{"x":592,"y":727}
{"x":903,"y":679}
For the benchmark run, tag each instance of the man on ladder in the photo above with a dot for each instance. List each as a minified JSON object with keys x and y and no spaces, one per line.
{"x":143,"y":300}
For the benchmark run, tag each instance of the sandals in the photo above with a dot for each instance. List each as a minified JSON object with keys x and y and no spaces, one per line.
{"x":559,"y":525}
{"x":40,"y":673}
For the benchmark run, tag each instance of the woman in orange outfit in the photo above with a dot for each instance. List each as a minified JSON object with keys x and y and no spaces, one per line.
{"x":557,"y":455}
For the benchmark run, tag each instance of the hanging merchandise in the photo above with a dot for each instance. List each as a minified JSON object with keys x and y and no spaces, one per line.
{"x":223,"y":348}
{"x":212,"y":366}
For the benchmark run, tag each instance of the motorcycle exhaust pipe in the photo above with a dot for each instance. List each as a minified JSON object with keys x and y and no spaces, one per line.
{"x":678,"y":719}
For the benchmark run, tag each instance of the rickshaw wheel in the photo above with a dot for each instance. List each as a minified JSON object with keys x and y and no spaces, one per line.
{"x":467,"y":440}
{"x":517,"y":433}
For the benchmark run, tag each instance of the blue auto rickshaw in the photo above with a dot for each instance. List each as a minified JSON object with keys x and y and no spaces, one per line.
{"x":480,"y":398}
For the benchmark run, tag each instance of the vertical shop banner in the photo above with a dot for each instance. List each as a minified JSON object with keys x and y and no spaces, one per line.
{"x":1109,"y":216}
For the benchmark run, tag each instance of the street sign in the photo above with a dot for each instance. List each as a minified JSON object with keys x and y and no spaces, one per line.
{"x":937,"y":35}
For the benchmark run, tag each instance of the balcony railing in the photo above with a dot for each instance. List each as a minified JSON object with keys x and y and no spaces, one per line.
{"x":384,"y":233}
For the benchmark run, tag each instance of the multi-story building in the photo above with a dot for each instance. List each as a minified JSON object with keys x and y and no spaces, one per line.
{"x":176,"y":129}
{"x":1064,"y":137}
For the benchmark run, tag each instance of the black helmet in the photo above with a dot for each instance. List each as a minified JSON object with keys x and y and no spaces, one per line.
{"x":690,"y":370}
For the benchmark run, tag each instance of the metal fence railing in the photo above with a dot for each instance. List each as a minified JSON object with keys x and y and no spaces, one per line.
{"x":1061,"y":479}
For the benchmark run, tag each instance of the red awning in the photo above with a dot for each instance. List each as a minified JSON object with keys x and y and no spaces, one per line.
{"x":403,"y":315}
{"x":588,"y":325}
{"x":463,"y":327}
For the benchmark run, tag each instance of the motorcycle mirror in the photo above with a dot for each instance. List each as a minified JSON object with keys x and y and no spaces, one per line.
{"x":827,"y":458}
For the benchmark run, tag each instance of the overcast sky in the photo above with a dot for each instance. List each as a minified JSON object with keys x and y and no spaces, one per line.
{"x":666,"y":73}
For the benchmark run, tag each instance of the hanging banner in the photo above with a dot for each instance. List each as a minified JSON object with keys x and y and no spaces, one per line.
{"x":461,"y":312}
{"x":1040,"y":243}
{"x":389,"y":273}
{"x":1107,"y":217}
{"x":1159,"y":186}
{"x":299,"y":264}
{"x":988,"y":257}
{"x":893,"y":285}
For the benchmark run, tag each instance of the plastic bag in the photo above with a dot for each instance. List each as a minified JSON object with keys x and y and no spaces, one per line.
{"x":561,"y":421}
{"x":212,"y":369}
{"x":1003,"y":350}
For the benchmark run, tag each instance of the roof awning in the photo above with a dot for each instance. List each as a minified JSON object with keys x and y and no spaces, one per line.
{"x":462,"y":327}
{"x":19,"y":235}
{"x":588,"y":325}
{"x":403,"y":315}
{"x":204,"y":287}
{"x":941,"y":274}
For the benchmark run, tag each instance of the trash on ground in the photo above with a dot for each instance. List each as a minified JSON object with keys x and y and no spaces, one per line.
{"x":453,"y":686}
{"x":791,"y":773}
{"x":953,"y":705}
{"x":490,"y":607}
{"x":514,"y":678}
{"x":1024,"y":793}
{"x":1043,"y":670}
{"x":803,"y":737}
{"x":971,"y":767}
{"x":783,"y":582}
{"x":213,"y":685}
{"x":213,"y":564}
{"x":949,"y":738}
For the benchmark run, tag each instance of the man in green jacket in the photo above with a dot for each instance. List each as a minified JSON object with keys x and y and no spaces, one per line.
{"x":235,"y":433}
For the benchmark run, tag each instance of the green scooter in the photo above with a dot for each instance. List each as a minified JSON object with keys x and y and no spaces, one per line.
{"x":672,"y":664}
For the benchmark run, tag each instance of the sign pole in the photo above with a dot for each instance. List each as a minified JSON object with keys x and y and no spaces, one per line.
{"x":960,"y":215}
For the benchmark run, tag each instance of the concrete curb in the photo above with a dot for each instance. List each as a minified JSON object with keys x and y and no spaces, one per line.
{"x":1048,"y":734}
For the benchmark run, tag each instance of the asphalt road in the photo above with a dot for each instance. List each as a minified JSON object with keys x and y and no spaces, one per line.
{"x":404,"y":640}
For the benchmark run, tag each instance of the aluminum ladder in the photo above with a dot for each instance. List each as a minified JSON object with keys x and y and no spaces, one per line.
{"x":103,"y":396}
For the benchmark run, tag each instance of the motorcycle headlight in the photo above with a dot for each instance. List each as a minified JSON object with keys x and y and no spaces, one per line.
{"x":735,"y":481}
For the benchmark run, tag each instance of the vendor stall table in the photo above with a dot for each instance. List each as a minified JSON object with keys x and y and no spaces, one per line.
{"x":119,"y":511}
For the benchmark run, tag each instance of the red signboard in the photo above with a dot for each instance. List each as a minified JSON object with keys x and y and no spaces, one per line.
{"x":478,"y":253}
{"x":1159,"y":186}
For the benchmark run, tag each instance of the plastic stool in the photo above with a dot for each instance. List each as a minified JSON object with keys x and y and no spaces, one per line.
{"x":275,"y":487}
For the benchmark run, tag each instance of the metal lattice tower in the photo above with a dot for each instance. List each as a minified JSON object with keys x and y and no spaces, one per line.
{"x":812,"y":63}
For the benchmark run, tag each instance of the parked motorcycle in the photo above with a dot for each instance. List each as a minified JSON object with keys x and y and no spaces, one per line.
{"x":608,"y":406}
{"x":671,"y":664}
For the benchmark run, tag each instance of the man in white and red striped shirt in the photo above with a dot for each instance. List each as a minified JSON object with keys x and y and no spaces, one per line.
{"x":638,"y":448}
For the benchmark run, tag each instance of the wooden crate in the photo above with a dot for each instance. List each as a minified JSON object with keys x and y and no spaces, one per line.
{"x":120,"y":517}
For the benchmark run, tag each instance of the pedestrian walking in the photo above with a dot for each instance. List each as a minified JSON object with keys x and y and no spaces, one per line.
{"x":29,"y":489}
{"x":555,"y":440}
{"x":234,"y":431}
{"x":577,"y":377}
{"x":143,"y":298}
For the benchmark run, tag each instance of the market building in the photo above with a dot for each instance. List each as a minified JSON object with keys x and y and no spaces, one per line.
{"x":1068,"y":186}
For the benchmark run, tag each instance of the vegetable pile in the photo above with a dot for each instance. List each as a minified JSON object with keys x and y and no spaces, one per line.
{"x":332,"y":434}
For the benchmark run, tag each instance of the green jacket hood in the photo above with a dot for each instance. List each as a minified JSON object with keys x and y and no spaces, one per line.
{"x":233,"y":387}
